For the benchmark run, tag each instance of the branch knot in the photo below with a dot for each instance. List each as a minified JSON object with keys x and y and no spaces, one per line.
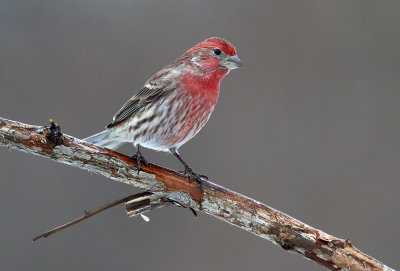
{"x":54,"y":134}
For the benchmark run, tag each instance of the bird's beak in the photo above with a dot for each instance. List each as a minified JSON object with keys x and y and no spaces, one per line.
{"x":232,"y":62}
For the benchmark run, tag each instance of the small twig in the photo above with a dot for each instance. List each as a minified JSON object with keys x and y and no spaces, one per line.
{"x":92,"y":213}
{"x":140,"y":205}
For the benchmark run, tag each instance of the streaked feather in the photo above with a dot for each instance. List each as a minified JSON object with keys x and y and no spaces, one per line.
{"x":156,"y":87}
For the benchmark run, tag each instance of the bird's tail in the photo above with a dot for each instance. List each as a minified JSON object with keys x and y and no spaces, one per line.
{"x":106,"y":138}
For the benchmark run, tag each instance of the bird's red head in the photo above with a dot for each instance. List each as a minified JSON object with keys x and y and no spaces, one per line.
{"x":214,"y":54}
{"x":214,"y":43}
{"x":204,"y":65}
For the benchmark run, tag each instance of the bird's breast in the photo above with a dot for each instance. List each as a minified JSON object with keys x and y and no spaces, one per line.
{"x":191,"y":112}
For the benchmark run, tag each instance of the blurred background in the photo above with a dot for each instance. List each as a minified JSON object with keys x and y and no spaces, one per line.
{"x":310,"y":126}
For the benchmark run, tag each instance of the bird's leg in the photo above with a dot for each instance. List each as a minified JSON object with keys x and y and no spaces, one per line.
{"x":139,"y":158}
{"x":188,"y":171}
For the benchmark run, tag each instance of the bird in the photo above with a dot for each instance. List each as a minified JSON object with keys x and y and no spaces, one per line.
{"x":174,"y":104}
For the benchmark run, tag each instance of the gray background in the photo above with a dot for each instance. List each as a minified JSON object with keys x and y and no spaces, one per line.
{"x":309,"y":125}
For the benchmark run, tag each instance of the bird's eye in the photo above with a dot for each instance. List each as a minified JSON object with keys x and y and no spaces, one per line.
{"x":217,"y":51}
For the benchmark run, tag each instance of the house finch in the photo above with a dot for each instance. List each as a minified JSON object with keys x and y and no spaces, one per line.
{"x":174,"y":104}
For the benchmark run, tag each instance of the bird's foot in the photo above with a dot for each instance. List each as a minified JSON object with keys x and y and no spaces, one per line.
{"x":193,"y":176}
{"x":139,"y":159}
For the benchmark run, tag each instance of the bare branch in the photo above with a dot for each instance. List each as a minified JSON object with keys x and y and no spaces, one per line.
{"x":241,"y":211}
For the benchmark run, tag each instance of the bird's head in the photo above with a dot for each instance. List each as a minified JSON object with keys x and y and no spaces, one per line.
{"x":214,"y":54}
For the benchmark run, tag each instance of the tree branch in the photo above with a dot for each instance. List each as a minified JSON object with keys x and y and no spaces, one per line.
{"x":236,"y":209}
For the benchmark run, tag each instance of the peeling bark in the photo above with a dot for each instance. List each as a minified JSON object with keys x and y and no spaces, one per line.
{"x":248,"y":214}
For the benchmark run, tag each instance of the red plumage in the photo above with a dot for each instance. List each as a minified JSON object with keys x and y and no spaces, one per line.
{"x":215,"y":42}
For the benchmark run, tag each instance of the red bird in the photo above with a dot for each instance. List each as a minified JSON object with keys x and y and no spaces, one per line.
{"x":174,"y":104}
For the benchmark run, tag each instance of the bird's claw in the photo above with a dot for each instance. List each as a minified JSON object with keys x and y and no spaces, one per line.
{"x":193,"y":176}
{"x":139,"y":159}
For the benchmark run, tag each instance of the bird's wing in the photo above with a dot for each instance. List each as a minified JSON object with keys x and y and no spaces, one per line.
{"x":155,"y":88}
